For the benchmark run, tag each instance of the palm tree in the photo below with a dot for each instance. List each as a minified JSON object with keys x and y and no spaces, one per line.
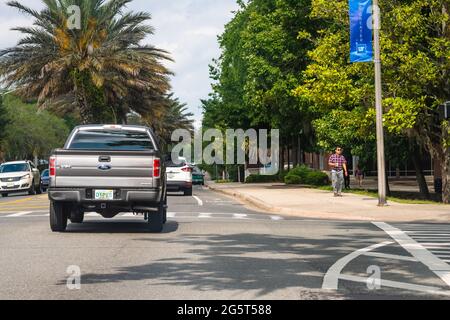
{"x":94,"y":70}
{"x":175,"y":116}
{"x":167,"y":116}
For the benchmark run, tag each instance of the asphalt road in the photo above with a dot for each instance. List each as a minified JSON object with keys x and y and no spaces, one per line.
{"x":215,"y":248}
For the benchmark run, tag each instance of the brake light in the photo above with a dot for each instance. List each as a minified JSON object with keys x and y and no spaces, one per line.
{"x":187,"y":169}
{"x":156,"y":168}
{"x":52,"y":166}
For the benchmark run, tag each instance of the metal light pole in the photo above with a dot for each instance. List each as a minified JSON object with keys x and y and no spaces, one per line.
{"x":379,"y":108}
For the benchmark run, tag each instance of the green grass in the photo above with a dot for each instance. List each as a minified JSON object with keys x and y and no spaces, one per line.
{"x":399,"y":197}
{"x":223,"y":181}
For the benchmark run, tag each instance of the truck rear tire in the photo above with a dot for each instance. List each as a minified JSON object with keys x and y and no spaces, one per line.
{"x":156,"y":220}
{"x":77,"y":217}
{"x":58,"y":217}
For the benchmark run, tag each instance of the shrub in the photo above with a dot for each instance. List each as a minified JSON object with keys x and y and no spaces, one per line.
{"x":257,"y":178}
{"x":317,"y":178}
{"x":292,"y":179}
{"x":283,"y":175}
{"x":224,"y":181}
{"x":305,"y":175}
{"x":300,"y":171}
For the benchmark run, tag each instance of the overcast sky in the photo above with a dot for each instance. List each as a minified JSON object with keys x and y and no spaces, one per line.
{"x":186,"y":28}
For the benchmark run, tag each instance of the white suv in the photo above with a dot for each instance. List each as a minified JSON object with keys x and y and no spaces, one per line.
{"x":19,"y":176}
{"x":179,"y":176}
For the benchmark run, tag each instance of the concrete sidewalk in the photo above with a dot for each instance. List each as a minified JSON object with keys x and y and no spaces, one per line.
{"x":311,"y":203}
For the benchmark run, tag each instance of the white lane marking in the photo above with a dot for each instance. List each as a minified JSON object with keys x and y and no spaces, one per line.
{"x":331,"y":279}
{"x":429,"y":236}
{"x":439,"y":267}
{"x":437,"y":244}
{"x":399,"y":285}
{"x":225,"y":215}
{"x":199,"y":201}
{"x":428,"y":232}
{"x":437,"y":235}
{"x":19,"y":214}
{"x":390,"y":256}
{"x":276,"y":218}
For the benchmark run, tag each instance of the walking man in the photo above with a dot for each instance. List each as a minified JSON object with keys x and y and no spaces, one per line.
{"x":338,"y":165}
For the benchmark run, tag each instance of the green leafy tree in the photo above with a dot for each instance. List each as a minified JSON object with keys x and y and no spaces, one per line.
{"x":261,"y":63}
{"x":415,"y":45}
{"x":4,"y":120}
{"x":100,"y":70}
{"x":30,"y":133}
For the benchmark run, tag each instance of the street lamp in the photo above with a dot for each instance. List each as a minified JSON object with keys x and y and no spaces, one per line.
{"x":379,"y":107}
{"x":365,"y":47}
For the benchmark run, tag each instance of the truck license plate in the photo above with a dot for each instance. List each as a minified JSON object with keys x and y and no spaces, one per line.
{"x":104,"y":194}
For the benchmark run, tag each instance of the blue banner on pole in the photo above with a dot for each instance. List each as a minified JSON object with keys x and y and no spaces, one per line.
{"x":361,"y":37}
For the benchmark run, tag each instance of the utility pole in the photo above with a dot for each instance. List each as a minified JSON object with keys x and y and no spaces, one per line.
{"x":379,"y":107}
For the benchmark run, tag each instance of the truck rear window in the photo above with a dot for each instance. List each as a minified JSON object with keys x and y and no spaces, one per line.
{"x":114,"y":140}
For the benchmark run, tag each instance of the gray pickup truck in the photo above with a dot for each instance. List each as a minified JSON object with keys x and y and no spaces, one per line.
{"x":108,"y":169}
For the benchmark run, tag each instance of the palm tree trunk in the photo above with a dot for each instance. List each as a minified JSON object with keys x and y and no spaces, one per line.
{"x":83,"y":106}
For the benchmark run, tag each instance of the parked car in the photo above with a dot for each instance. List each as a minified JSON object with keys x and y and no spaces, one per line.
{"x":179,"y":176}
{"x":19,"y":176}
{"x":45,"y":179}
{"x":108,"y":169}
{"x":198,"y":177}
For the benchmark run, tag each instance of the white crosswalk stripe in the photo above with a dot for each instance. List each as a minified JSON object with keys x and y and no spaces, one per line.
{"x":435,"y":238}
{"x":19,"y":214}
{"x":240,"y":216}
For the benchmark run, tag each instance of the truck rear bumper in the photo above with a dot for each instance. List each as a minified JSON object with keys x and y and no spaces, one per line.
{"x":121,"y":196}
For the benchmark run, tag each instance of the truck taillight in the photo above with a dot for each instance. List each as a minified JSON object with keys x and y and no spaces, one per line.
{"x":187,"y":169}
{"x":156,"y":168}
{"x":52,"y":166}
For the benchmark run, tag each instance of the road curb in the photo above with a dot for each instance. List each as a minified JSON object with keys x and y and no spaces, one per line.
{"x":261,"y":205}
{"x":248,"y":199}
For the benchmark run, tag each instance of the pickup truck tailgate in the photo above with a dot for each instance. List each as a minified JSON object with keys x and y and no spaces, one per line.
{"x":122,"y":169}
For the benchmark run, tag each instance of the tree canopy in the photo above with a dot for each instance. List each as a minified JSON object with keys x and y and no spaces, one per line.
{"x":99,"y":68}
{"x":285,"y":64}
